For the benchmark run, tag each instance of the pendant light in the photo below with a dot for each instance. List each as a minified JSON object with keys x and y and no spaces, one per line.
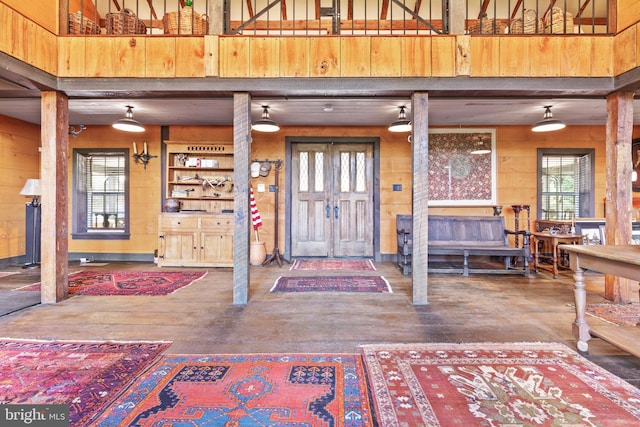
{"x":128,"y":124}
{"x":548,"y":123}
{"x":265,"y":124}
{"x":402,"y":124}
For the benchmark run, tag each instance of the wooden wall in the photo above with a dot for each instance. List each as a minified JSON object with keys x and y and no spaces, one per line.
{"x":41,"y":12}
{"x":628,"y":13}
{"x":19,"y":161}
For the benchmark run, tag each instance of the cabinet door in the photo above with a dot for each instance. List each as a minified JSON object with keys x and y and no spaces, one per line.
{"x":216,"y":248}
{"x":180,"y":248}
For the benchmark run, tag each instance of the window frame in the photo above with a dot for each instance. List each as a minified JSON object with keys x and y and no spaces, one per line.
{"x":577,"y":152}
{"x":79,"y":218}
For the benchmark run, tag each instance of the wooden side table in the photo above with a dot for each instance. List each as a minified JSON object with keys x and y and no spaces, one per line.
{"x":557,"y":239}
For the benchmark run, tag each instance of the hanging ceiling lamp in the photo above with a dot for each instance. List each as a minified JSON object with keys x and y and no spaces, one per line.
{"x":128,"y":124}
{"x":402,"y":124}
{"x":548,"y":123}
{"x":480,"y":147}
{"x":265,"y":124}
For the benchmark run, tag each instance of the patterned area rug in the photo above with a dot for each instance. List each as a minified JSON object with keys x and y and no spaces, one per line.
{"x":618,"y":314}
{"x":333,"y":264}
{"x":156,"y":283}
{"x":246,"y":390}
{"x":84,"y":375}
{"x":376,"y":284}
{"x":485,"y":384}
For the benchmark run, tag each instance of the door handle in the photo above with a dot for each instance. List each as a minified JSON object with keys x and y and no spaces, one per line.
{"x":336,"y":210}
{"x":328,"y":210}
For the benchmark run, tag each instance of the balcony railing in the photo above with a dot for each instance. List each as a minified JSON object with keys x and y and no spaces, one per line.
{"x":331,"y":17}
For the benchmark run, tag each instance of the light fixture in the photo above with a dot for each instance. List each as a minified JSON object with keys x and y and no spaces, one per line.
{"x":265,"y":124}
{"x":548,"y":123}
{"x":479,"y":147}
{"x":32,"y":189}
{"x":128,"y":124}
{"x":402,"y":124}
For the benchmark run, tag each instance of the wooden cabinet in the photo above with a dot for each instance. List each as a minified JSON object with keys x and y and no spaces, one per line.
{"x":195,"y":240}
{"x":199,"y":176}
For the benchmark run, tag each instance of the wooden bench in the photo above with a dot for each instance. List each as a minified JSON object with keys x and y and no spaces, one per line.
{"x":465,"y":236}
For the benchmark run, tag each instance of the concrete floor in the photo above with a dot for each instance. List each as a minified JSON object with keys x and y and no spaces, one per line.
{"x":202,"y":319}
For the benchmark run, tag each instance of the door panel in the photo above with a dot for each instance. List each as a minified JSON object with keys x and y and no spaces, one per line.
{"x":332,"y":200}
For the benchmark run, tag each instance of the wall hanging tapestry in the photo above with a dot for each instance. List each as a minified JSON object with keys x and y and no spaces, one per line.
{"x":246,"y":390}
{"x":489,"y":384}
{"x":376,"y":284}
{"x":84,"y":375}
{"x":155,"y":283}
{"x":333,"y":264}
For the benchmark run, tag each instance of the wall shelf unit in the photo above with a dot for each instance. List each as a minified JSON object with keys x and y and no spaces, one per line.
{"x":196,"y":229}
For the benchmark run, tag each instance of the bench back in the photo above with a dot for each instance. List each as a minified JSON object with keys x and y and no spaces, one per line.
{"x":468,"y":231}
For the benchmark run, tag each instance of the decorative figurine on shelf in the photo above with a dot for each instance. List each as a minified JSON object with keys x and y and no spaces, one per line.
{"x":181,"y":158}
{"x":188,"y":3}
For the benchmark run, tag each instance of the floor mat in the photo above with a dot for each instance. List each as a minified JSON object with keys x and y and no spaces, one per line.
{"x":247,"y":390}
{"x":490,"y":384}
{"x":155,"y":283}
{"x":375,"y":284}
{"x":84,"y":375}
{"x":333,"y":264}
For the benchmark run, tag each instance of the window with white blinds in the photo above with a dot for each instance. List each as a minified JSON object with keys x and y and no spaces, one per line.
{"x":101,"y":195}
{"x":565,"y":184}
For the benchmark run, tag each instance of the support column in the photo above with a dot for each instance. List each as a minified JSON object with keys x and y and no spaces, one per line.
{"x":420,"y":195}
{"x":54,"y":135}
{"x":619,"y":195}
{"x":241,"y":210}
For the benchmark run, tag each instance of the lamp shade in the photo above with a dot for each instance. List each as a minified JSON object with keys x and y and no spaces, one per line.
{"x":128,"y":124}
{"x":402,"y":124}
{"x":265,"y":124}
{"x":31,"y":188}
{"x":548,"y":123}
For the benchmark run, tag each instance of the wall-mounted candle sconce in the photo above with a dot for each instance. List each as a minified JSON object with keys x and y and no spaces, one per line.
{"x":75,"y":131}
{"x":143,"y":157}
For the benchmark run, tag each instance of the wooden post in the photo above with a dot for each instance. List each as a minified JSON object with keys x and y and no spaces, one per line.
{"x":420,"y":195}
{"x":241,"y":209}
{"x":457,"y":17}
{"x":54,"y":134}
{"x":216,"y":14}
{"x":618,"y":191}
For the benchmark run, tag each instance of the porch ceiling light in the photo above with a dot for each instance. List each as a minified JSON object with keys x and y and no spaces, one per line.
{"x":128,"y":124}
{"x":402,"y":124}
{"x":548,"y":123}
{"x":265,"y":124}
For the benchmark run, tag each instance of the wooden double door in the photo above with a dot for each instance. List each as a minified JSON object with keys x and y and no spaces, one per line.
{"x":332,"y":200}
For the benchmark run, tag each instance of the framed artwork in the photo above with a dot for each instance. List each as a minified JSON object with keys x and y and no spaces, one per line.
{"x":635,"y":158}
{"x":462,"y":167}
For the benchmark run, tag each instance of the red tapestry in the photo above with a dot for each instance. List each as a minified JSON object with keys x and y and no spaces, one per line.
{"x":483,"y":384}
{"x":149,"y":283}
{"x":376,"y":284}
{"x":84,"y":375}
{"x":247,"y":390}
{"x":333,"y":264}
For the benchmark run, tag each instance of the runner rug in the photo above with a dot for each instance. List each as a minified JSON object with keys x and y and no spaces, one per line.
{"x":376,"y":284}
{"x":84,"y":375}
{"x":246,"y":390}
{"x":333,"y":264}
{"x":155,"y":283}
{"x":485,"y":384}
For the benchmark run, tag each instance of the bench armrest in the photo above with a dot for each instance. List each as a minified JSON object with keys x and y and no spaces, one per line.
{"x":525,"y":236}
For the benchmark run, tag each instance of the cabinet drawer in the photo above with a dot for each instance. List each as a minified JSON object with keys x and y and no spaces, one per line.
{"x":177,"y":222}
{"x":217,"y":222}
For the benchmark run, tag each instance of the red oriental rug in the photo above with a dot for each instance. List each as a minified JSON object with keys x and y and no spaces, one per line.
{"x":154,"y":283}
{"x":333,"y":264}
{"x":84,"y":375}
{"x":376,"y":284}
{"x":618,"y":314}
{"x":247,"y":390}
{"x":523,"y":384}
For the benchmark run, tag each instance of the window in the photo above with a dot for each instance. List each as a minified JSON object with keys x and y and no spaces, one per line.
{"x":100,"y":194}
{"x":565,"y":184}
